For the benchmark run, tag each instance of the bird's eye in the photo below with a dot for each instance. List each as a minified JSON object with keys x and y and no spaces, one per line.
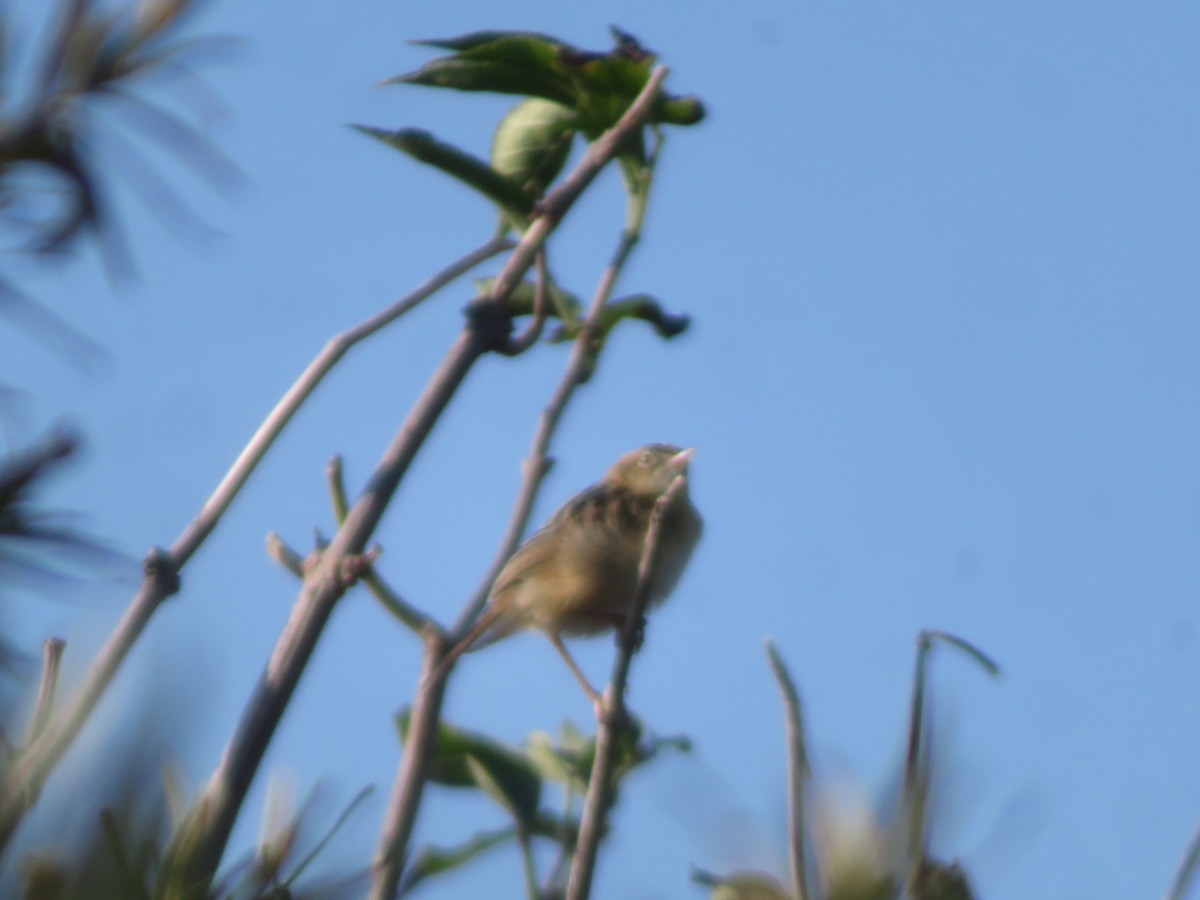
{"x":646,"y":459}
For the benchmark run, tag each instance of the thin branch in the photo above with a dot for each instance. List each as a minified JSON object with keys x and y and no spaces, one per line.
{"x":916,"y":763}
{"x":274,"y":424}
{"x":797,"y":771}
{"x":1187,"y":870}
{"x":285,"y":555}
{"x":917,"y":758}
{"x":533,"y":331}
{"x":52,"y":651}
{"x":392,"y":850}
{"x":612,"y":715}
{"x":558,"y":870}
{"x":599,"y":153}
{"x":538,"y":463}
{"x":23,"y":781}
{"x":341,"y":820}
{"x":408,"y":614}
{"x":528,"y":866}
{"x":56,"y":56}
{"x":335,"y":475}
{"x":401,"y":815}
{"x":199,"y":843}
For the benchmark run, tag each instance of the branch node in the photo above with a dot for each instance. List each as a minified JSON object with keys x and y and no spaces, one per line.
{"x":160,"y":567}
{"x":490,"y":322}
{"x":52,"y":650}
{"x":285,"y":555}
{"x":352,"y":568}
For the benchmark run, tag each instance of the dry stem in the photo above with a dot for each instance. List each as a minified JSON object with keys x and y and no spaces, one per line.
{"x":797,"y":772}
{"x":611,"y":717}
{"x":23,"y":781}
{"x":392,"y":850}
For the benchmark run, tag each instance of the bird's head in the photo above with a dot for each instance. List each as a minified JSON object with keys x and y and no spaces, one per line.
{"x":650,"y":470}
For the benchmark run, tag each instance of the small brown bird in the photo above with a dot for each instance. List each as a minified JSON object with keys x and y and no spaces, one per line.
{"x":578,"y":574}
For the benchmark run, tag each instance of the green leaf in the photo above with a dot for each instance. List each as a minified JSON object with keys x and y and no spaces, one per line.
{"x":454,"y":748}
{"x":678,"y":110}
{"x":532,"y":143}
{"x":938,"y":881}
{"x":517,"y":789}
{"x":598,"y":86}
{"x":486,"y":75}
{"x":742,"y":886}
{"x":436,"y":860}
{"x":470,"y":170}
{"x":564,"y":306}
{"x":641,"y":307}
{"x":523,"y":47}
{"x":552,"y":764}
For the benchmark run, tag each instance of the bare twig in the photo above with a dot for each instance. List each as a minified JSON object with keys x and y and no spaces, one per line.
{"x":274,"y":424}
{"x":538,"y":463}
{"x":1187,"y":870}
{"x":611,"y":716}
{"x":797,"y":771}
{"x":391,"y":853}
{"x":285,"y":555}
{"x":23,"y":781}
{"x":528,"y":866}
{"x":917,"y":757}
{"x":916,"y":763}
{"x":533,"y":331}
{"x":199,"y":843}
{"x":52,"y":650}
{"x":335,"y":475}
{"x":383,"y":592}
{"x":402,"y":809}
{"x":599,"y":153}
{"x":73,"y":13}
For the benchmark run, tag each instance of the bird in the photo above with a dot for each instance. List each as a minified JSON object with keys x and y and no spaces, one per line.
{"x":578,"y":574}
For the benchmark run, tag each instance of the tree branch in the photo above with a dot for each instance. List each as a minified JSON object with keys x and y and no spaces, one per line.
{"x":300,"y":391}
{"x":52,"y":650}
{"x":611,"y":717}
{"x":199,"y":843}
{"x":23,"y":782}
{"x":797,"y":772}
{"x":391,"y":852}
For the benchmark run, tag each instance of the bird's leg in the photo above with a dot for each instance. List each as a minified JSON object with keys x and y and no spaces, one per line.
{"x":556,"y":640}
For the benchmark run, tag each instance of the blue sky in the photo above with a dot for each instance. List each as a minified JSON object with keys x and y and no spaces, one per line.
{"x":941,"y":260}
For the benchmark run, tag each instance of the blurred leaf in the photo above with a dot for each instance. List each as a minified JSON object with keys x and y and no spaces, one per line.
{"x":504,"y":46}
{"x":98,"y":51}
{"x":36,"y":546}
{"x":552,"y":764}
{"x":436,"y":860}
{"x":563,"y":305}
{"x":532,"y":143}
{"x":470,"y":170}
{"x":493,"y":77}
{"x":641,"y":307}
{"x":938,"y":881}
{"x":455,"y":747}
{"x":680,"y":111}
{"x":742,"y":886}
{"x":341,"y":820}
{"x":512,"y":788}
{"x":985,"y":662}
{"x":598,"y":87}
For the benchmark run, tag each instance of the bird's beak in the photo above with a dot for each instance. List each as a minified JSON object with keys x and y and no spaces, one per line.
{"x":679,"y":462}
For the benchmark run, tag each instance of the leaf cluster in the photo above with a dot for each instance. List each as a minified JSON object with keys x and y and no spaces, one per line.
{"x":568,"y":92}
{"x":515,"y":778}
{"x":99,"y":52}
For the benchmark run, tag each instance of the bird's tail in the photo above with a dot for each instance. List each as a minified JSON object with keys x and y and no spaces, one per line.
{"x":488,"y":628}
